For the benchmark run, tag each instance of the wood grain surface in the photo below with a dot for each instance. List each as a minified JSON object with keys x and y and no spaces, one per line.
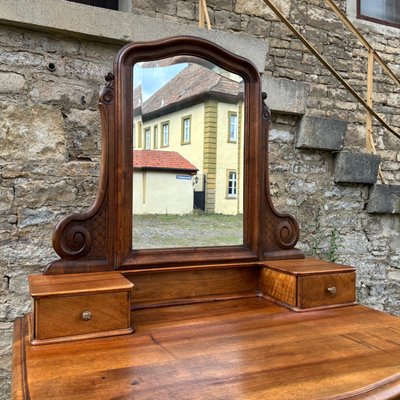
{"x":313,"y":290}
{"x":307,"y":266}
{"x":279,"y":285}
{"x":165,"y":285}
{"x":244,"y":349}
{"x":61,"y":316}
{"x":95,"y":282}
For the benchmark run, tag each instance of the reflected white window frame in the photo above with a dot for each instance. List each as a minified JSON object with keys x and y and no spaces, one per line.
{"x":232,"y":126}
{"x":147,"y":138}
{"x":165,"y":134}
{"x":231,"y":187}
{"x":155,"y":136}
{"x":186,"y":129}
{"x":139,"y":135}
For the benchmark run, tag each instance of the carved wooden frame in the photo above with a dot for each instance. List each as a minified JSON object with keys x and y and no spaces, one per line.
{"x":101,"y":238}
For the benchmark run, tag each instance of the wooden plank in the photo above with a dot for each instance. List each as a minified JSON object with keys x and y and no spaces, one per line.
{"x":204,"y":4}
{"x":370,"y":81}
{"x":19,"y":384}
{"x":60,"y":285}
{"x":244,"y":349}
{"x":201,"y":14}
{"x":188,"y":284}
{"x":307,"y":266}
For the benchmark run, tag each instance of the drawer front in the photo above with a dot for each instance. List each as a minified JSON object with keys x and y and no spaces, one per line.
{"x":328,"y":289}
{"x":79,"y":315}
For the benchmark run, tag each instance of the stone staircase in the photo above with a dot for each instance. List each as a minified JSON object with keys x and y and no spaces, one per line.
{"x":327,"y":134}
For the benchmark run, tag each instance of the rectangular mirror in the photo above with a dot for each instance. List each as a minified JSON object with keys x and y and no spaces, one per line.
{"x":188,"y":152}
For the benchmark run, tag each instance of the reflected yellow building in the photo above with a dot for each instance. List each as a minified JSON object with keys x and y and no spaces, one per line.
{"x":199,"y":114}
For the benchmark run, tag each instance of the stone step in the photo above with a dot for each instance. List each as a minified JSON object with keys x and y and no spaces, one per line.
{"x":354,"y":167}
{"x":317,"y":133}
{"x":384,"y":199}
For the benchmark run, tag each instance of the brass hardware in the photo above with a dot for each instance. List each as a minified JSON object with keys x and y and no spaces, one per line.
{"x":86,"y":315}
{"x":332,"y":290}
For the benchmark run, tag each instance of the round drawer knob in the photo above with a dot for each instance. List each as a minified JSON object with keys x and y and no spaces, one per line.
{"x":86,"y":315}
{"x":332,"y":290}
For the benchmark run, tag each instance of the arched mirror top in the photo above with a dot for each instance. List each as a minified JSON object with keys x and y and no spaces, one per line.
{"x":184,"y":177}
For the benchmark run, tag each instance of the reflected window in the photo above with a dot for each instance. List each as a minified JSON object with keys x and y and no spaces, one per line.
{"x":232,"y":184}
{"x":186,"y":128}
{"x":147,"y":139}
{"x":165,"y":134}
{"x":139,"y":134}
{"x":381,"y":11}
{"x":155,"y":133}
{"x":233,"y":127}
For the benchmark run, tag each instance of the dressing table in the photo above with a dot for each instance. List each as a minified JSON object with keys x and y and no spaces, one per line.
{"x":252,"y":319}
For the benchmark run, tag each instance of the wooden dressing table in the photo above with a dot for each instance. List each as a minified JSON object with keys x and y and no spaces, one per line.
{"x":255,"y":320}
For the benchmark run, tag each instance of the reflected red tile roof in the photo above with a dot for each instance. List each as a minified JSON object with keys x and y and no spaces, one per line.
{"x":158,"y":159}
{"x":191,"y":81}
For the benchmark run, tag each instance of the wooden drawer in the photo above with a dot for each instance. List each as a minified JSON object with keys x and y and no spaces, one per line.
{"x":79,"y":315}
{"x":328,"y":289}
{"x":308,"y":283}
{"x":77,"y":307}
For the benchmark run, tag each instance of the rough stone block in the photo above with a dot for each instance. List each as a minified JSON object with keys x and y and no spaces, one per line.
{"x":31,"y":132}
{"x":284,"y":95}
{"x":63,"y":91}
{"x":351,"y":167}
{"x":6,"y":199}
{"x":321,"y":133}
{"x":37,"y":216}
{"x":120,"y":27}
{"x":258,"y":8}
{"x":384,"y":199}
{"x":259,"y":27}
{"x":39,"y":192}
{"x":185,"y":10}
{"x":11,"y":82}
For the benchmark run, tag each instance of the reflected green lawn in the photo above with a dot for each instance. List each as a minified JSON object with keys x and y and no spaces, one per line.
{"x":197,"y":230}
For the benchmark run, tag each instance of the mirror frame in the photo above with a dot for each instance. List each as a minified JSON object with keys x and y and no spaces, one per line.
{"x":101,"y":238}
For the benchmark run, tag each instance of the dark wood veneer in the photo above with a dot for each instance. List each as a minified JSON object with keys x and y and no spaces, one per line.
{"x":101,"y":238}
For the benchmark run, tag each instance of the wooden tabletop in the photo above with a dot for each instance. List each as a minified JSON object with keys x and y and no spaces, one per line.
{"x":307,"y":266}
{"x":59,"y":285}
{"x":242,"y":349}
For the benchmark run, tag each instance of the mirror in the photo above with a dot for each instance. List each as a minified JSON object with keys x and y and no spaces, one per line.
{"x":188,"y":152}
{"x":184,"y":141}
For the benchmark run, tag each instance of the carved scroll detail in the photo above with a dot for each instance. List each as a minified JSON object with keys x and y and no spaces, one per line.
{"x":266,"y":112}
{"x":282,"y":229}
{"x":84,"y":234}
{"x":75,"y":241}
{"x":107,"y":93}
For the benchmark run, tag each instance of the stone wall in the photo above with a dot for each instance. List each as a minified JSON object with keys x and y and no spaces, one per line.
{"x":49,"y":152}
{"x":50,"y":142}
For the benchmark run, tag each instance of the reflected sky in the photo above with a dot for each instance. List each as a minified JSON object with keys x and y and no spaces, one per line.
{"x":154,"y":78}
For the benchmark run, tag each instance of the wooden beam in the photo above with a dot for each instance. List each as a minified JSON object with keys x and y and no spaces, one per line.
{"x":201,"y":14}
{"x":325,"y":63}
{"x":204,"y":14}
{"x":370,"y":147}
{"x":362,"y":40}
